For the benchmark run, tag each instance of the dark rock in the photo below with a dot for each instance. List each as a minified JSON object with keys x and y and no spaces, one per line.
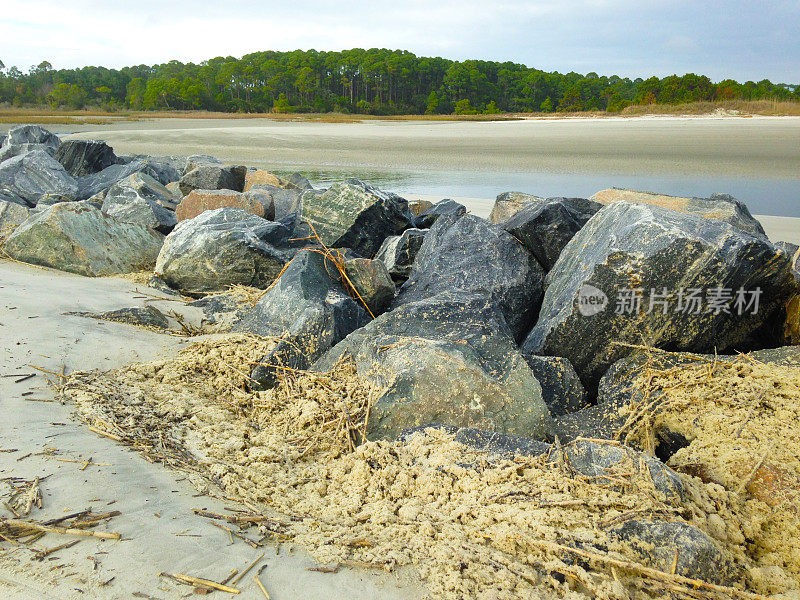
{"x":545,"y":226}
{"x":354,"y":215}
{"x":33,"y":134}
{"x":90,"y":185}
{"x":149,"y":316}
{"x":659,"y":543}
{"x":597,"y":460}
{"x":284,"y":202}
{"x":722,"y":207}
{"x":223,"y":247}
{"x":159,"y":284}
{"x":507,"y":204}
{"x":793,"y":252}
{"x":561,"y":387}
{"x":474,"y":256}
{"x":141,"y":199}
{"x":213,"y":177}
{"x":76,"y":237}
{"x":31,"y":175}
{"x":427,"y":218}
{"x":163,"y":173}
{"x":629,"y":246}
{"x":372,"y":282}
{"x":85,"y":157}
{"x":399,"y":251}
{"x":308,"y":309}
{"x":49,"y":199}
{"x":12,"y":150}
{"x":447,"y":359}
{"x":12,"y":215}
{"x":190,"y":163}
{"x":300,"y":182}
{"x":221,"y":310}
{"x":502,"y":444}
{"x":8,"y":196}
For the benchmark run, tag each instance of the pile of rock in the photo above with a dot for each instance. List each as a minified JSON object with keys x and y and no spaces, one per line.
{"x":511,"y":331}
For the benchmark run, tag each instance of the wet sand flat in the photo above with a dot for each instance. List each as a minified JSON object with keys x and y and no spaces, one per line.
{"x":757,"y":159}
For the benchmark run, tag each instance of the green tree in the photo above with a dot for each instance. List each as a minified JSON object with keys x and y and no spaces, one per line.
{"x":547,"y":105}
{"x":432,"y":107}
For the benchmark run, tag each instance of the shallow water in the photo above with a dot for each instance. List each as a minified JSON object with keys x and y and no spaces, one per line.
{"x":754,"y":159}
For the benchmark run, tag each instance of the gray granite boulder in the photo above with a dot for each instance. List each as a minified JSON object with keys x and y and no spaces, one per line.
{"x":428,"y":217}
{"x":29,"y":176}
{"x":372,"y":282}
{"x":721,"y":207}
{"x":308,"y":309}
{"x":629,"y":275}
{"x":507,"y":204}
{"x":354,"y":215}
{"x":398,"y":253}
{"x":562,"y":389}
{"x":472,"y":255}
{"x":12,"y":150}
{"x":147,"y":316}
{"x":76,"y":237}
{"x":100,"y":182}
{"x":12,"y":215}
{"x":141,"y":199}
{"x":545,"y":226}
{"x":447,"y":359}
{"x":793,"y":252}
{"x":677,"y":547}
{"x":223,"y":247}
{"x":84,"y":157}
{"x":209,"y":176}
{"x":598,"y":460}
{"x":283,"y":202}
{"x":32,"y":134}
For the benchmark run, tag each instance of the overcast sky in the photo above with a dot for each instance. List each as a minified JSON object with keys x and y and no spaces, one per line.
{"x":732,"y":38}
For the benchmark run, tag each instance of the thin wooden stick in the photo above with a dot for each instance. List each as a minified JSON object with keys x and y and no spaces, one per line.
{"x":261,"y":585}
{"x":106,"y":535}
{"x":41,"y":554}
{"x":206,"y":583}
{"x":247,"y":570}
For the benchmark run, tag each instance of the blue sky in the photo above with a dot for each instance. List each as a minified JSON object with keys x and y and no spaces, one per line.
{"x":737,"y":38}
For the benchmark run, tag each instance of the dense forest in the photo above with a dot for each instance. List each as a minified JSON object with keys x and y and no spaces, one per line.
{"x":375,"y":81}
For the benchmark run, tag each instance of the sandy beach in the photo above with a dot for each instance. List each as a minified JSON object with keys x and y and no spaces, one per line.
{"x":160,"y":533}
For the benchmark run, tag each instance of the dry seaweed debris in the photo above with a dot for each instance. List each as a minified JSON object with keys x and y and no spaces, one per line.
{"x":471,"y":527}
{"x":742,"y":421}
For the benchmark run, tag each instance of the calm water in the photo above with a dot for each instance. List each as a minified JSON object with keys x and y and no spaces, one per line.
{"x":754,"y":159}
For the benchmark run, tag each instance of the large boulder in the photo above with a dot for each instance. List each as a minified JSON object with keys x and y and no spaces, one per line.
{"x":213,"y":177}
{"x":12,"y":150}
{"x":722,"y":207}
{"x":260,"y":177}
{"x":223,"y":247}
{"x":507,"y":204}
{"x":12,"y":215}
{"x":141,"y":199}
{"x":100,"y":182}
{"x":448,"y":359}
{"x":199,"y":201}
{"x":399,"y":251}
{"x":475,"y":256}
{"x":32,"y":134}
{"x":446,"y":207}
{"x":562,"y":389}
{"x":77,"y":237}
{"x":308,"y":309}
{"x":677,"y":547}
{"x":677,"y":281}
{"x":284,"y":202}
{"x":545,"y":226}
{"x":371,"y":282}
{"x":354,"y":215}
{"x":31,"y":175}
{"x":84,"y":157}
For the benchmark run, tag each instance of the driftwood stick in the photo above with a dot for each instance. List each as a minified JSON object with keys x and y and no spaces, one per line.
{"x":247,"y":570}
{"x":21,"y":524}
{"x":261,"y":586}
{"x":42,"y":554}
{"x":206,"y":583}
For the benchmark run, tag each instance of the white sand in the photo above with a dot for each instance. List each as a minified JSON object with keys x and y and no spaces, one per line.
{"x":156,"y":504}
